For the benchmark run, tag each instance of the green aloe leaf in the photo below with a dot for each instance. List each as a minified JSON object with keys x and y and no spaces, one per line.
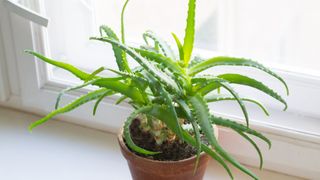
{"x":75,"y":71}
{"x":72,"y":89}
{"x":179,"y":45}
{"x":189,"y":32}
{"x":206,"y":84}
{"x":196,"y":60}
{"x":164,"y":46}
{"x":122,"y":88}
{"x":89,"y":81}
{"x":162,"y":114}
{"x":135,"y":81}
{"x":171,"y":108}
{"x":94,"y":74}
{"x":123,"y":38}
{"x":238,"y":127}
{"x":156,"y":72}
{"x":118,"y":53}
{"x":220,"y":82}
{"x":254,"y":145}
{"x":216,"y":98}
{"x":162,"y":60}
{"x":153,"y":85}
{"x":149,"y":48}
{"x":127,"y":134}
{"x":138,"y":81}
{"x":201,"y":113}
{"x":107,"y":93}
{"x":238,"y":99}
{"x":189,"y":139}
{"x":244,"y":80}
{"x":195,"y":127}
{"x":121,"y":99}
{"x":168,"y":101}
{"x":122,"y":21}
{"x":232,"y":61}
{"x":109,"y":83}
{"x":76,"y":103}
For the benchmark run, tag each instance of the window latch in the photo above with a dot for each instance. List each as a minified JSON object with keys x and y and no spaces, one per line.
{"x":25,"y":12}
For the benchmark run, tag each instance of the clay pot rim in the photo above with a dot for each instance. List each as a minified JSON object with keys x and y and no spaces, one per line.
{"x":124,"y":146}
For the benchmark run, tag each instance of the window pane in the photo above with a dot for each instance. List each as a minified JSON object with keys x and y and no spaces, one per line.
{"x":72,"y":22}
{"x":285,"y":32}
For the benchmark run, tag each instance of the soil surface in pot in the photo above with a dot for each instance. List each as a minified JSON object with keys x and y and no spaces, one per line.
{"x":171,"y":151}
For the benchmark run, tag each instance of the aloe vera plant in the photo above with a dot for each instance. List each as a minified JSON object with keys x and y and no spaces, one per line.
{"x":167,"y":91}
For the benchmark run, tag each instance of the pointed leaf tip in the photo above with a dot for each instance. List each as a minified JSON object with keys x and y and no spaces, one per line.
{"x":189,"y":32}
{"x":286,"y":107}
{"x":30,"y":130}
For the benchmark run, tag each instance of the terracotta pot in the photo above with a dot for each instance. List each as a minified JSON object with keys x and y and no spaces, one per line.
{"x":146,"y":169}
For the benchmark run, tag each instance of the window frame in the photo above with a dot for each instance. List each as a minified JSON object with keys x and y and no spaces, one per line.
{"x":4,"y":90}
{"x":35,"y":92}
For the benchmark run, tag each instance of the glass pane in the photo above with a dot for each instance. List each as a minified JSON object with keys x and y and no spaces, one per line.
{"x":72,"y":22}
{"x":281,"y":32}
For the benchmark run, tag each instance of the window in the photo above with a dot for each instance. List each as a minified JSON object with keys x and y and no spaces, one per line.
{"x":282,"y":39}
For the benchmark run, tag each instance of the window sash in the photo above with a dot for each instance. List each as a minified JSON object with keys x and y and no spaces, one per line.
{"x":25,"y":12}
{"x":4,"y":90}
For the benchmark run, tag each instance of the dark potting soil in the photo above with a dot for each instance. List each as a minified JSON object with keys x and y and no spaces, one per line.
{"x":171,"y":151}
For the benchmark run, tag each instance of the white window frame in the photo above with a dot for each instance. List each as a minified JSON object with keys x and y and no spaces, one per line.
{"x":36,"y":92}
{"x":25,"y":85}
{"x":4,"y":91}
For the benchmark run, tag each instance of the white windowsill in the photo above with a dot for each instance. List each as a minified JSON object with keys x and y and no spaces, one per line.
{"x":60,"y":150}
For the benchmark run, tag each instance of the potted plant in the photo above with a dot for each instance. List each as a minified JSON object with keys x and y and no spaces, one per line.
{"x":171,"y":133}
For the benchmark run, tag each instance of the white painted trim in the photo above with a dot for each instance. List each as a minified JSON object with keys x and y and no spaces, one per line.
{"x":4,"y":84}
{"x":4,"y":87}
{"x":287,"y":155}
{"x":26,"y":13}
